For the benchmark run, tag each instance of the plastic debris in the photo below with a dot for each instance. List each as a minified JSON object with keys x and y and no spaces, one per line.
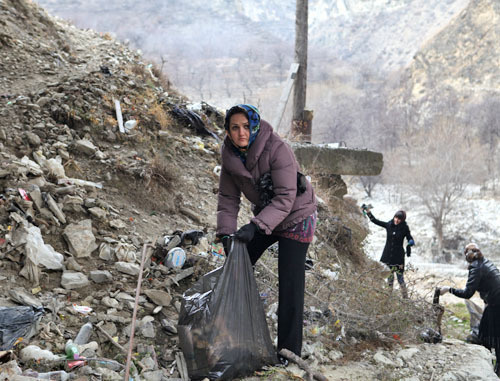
{"x":176,"y":258}
{"x":16,"y":323}
{"x":82,"y":309}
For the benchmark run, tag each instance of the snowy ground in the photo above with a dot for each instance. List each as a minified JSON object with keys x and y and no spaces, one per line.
{"x":475,"y":219}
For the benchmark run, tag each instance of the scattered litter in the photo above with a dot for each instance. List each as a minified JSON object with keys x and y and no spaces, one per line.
{"x":82,"y":309}
{"x":176,"y":258}
{"x":23,"y":194}
{"x":16,"y":323}
{"x":217,"y":170}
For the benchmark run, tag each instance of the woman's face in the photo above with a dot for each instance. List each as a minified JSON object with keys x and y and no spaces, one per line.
{"x":396,"y":221}
{"x":239,"y":130}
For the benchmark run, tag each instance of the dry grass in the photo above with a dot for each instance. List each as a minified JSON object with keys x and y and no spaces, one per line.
{"x":162,"y":78}
{"x":159,"y":115}
{"x":159,"y":174}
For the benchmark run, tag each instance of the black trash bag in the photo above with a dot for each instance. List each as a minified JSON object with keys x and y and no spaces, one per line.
{"x":430,"y":336}
{"x":17,"y":322}
{"x":222,"y":327}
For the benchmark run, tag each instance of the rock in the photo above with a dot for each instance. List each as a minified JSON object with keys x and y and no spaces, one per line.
{"x":108,"y":374}
{"x":73,"y":265}
{"x":380,"y":358}
{"x":147,"y":328}
{"x":407,"y":354}
{"x":71,"y":280}
{"x":124,"y":297}
{"x":80,"y":239}
{"x":168,"y":326}
{"x":335,"y":355}
{"x":110,"y":302}
{"x":148,"y":363}
{"x":20,"y":296}
{"x":117,"y":224}
{"x":101,"y":276}
{"x":105,"y":252}
{"x":98,"y":212}
{"x":127,"y":268}
{"x":156,"y":375}
{"x":159,"y":297}
{"x":33,"y":139}
{"x":85,"y":146}
{"x":110,"y":328}
{"x":54,"y":208}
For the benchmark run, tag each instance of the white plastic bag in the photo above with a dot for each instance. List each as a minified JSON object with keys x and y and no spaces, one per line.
{"x":55,"y":167}
{"x":125,"y":252}
{"x":40,"y":253}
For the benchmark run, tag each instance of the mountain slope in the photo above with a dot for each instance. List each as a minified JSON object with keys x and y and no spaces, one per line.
{"x":461,"y":62}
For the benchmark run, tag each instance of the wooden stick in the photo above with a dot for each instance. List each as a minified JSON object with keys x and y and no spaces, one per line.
{"x":181,"y":366}
{"x":297,"y":360}
{"x":110,"y":338}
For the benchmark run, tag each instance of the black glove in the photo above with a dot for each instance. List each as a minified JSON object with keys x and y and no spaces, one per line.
{"x":408,"y":250}
{"x":226,"y":242}
{"x":246,"y":232}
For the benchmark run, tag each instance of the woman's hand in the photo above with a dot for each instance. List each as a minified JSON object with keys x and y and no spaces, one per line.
{"x":225,"y":240}
{"x":444,"y":290}
{"x":246,"y":232}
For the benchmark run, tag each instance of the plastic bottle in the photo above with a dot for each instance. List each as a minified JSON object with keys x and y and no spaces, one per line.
{"x":71,"y":350}
{"x":84,"y":334}
{"x":59,"y":375}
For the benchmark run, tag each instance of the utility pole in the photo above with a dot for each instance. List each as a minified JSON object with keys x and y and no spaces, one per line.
{"x":302,"y":119}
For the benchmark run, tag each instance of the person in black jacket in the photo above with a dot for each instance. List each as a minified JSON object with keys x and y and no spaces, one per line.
{"x":394,"y":254}
{"x":485,"y":278}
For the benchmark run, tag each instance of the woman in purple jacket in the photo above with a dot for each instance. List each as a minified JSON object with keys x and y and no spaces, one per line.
{"x":259,"y":164}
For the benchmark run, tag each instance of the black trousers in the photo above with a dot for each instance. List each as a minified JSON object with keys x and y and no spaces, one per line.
{"x":291,"y":274}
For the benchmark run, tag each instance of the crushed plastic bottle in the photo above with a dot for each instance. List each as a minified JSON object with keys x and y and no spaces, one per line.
{"x":84,"y":334}
{"x":58,"y":375}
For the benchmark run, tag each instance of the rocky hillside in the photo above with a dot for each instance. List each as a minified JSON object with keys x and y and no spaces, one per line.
{"x":459,"y":65}
{"x":80,"y":195}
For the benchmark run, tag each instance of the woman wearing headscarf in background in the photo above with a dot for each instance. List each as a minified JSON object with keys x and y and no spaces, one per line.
{"x":259,"y":164}
{"x":485,"y":278}
{"x":394,"y":254}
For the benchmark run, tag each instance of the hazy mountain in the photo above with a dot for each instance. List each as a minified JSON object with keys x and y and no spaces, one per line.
{"x":365,"y":56}
{"x":460,"y":65}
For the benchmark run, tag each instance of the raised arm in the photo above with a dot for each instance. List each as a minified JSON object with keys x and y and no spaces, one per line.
{"x":375,"y":221}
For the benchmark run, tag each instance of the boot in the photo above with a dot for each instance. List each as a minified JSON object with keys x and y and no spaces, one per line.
{"x":404,"y":290}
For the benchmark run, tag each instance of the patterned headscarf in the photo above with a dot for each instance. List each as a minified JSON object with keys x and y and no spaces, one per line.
{"x":253,"y":116}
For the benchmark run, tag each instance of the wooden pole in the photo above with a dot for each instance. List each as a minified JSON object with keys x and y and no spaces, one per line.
{"x":299,"y":93}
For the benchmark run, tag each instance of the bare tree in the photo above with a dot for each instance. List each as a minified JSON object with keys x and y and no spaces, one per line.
{"x":369,"y":183}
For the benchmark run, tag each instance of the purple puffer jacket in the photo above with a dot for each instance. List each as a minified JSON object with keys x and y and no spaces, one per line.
{"x":268,"y":153}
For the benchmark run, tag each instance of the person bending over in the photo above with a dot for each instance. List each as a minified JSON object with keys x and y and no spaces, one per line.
{"x":257,"y":163}
{"x":485,"y":278}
